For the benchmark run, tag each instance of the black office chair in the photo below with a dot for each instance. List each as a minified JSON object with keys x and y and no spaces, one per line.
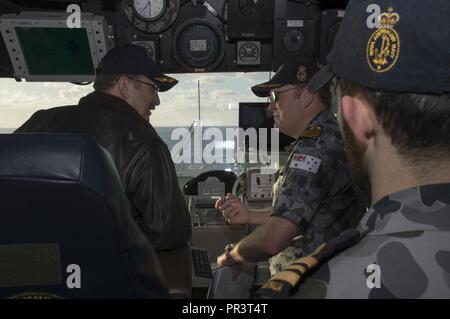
{"x":177,"y":269}
{"x":65,"y":226}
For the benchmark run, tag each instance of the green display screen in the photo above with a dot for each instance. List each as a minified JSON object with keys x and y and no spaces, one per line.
{"x":56,"y":51}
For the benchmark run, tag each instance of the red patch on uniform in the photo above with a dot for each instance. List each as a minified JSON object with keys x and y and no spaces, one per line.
{"x":299,"y":157}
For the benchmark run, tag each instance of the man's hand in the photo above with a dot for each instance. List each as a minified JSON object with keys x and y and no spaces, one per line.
{"x":223,"y":261}
{"x":233,"y":210}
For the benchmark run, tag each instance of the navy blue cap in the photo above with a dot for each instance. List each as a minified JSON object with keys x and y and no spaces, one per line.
{"x":392,"y":45}
{"x":292,"y":72}
{"x":134,"y":59}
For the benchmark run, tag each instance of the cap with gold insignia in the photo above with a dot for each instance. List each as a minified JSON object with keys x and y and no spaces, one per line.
{"x":386,"y":45}
{"x":133,"y":59}
{"x":292,"y":72}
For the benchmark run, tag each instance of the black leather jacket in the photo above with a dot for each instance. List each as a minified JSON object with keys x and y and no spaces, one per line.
{"x":142,"y":158}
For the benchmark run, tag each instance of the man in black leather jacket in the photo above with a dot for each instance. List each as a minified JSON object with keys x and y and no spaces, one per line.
{"x":116,"y":115}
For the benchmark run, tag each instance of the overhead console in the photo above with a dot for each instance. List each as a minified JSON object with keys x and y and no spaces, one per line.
{"x":181,"y":35}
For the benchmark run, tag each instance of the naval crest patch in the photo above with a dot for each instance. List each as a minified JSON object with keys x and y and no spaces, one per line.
{"x":383,"y":47}
{"x":302,"y":76}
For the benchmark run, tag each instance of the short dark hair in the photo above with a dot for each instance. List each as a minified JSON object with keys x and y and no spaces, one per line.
{"x":418,"y":124}
{"x":105,"y":82}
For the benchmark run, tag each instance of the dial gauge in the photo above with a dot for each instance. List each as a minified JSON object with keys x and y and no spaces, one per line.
{"x":294,"y":40}
{"x":149,"y":10}
{"x":151,"y":16}
{"x":248,"y":51}
{"x":148,"y":45}
{"x":198,"y":45}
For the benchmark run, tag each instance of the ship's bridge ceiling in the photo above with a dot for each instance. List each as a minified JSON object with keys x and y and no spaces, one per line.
{"x":53,"y":41}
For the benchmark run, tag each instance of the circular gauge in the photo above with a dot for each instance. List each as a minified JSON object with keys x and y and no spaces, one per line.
{"x":250,"y":8}
{"x":249,"y":52}
{"x":198,"y":45}
{"x":149,"y":47}
{"x":331,"y":33}
{"x":294,"y":40}
{"x":151,"y":16}
{"x":149,"y":10}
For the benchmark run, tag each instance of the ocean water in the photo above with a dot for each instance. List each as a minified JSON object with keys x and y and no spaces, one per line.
{"x":206,"y":154}
{"x":166,"y":134}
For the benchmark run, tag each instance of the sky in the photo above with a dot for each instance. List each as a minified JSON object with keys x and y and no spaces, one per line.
{"x":220,"y":97}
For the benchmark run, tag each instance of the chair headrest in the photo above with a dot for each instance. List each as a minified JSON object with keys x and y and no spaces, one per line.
{"x":58,"y":158}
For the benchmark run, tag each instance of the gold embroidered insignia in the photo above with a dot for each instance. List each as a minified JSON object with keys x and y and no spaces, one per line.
{"x":313,"y":132}
{"x":302,"y":76}
{"x":383,"y":47}
{"x":168,"y":80}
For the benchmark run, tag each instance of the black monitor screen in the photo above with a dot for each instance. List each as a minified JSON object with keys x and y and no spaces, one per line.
{"x":56,"y":51}
{"x":256,"y":115}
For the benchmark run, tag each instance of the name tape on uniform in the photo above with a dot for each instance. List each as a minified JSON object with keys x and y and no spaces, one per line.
{"x":305,"y":162}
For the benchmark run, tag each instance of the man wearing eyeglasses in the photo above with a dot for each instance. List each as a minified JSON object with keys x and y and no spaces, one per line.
{"x":393,"y":88}
{"x":315,"y":198}
{"x":117,"y":115}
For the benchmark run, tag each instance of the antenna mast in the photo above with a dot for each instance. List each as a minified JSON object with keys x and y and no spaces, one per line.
{"x":198,"y":90}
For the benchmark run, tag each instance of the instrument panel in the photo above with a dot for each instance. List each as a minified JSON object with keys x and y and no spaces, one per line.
{"x":211,"y":35}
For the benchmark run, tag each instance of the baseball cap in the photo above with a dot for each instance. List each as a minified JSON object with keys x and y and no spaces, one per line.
{"x":386,"y":45}
{"x":292,"y":72}
{"x":134,"y":59}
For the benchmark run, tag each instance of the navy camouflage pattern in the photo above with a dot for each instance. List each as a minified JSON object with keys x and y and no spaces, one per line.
{"x":407,"y":236}
{"x":321,"y":204}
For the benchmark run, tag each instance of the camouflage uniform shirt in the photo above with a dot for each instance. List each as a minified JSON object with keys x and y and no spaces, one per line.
{"x":404,"y":254}
{"x":315,"y":191}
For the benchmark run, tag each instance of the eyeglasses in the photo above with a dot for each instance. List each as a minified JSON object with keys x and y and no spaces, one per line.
{"x":154,"y":86}
{"x":275,"y":95}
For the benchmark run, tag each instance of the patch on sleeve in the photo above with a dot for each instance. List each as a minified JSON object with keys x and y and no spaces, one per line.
{"x":305,"y":162}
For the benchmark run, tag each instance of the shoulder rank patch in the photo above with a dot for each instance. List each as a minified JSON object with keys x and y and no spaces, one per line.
{"x":305,"y":162}
{"x":313,"y":133}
